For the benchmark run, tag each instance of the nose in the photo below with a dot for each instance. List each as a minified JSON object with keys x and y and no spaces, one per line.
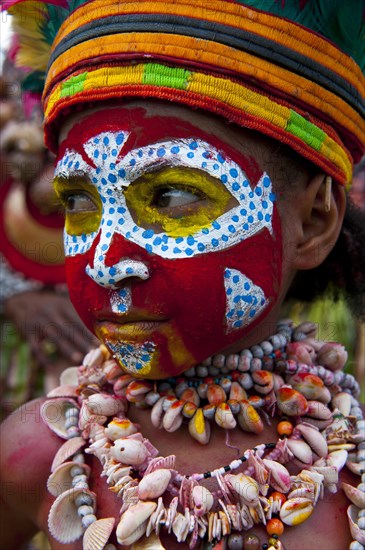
{"x":110,"y":276}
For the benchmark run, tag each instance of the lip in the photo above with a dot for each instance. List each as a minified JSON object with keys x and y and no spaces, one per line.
{"x":129,"y":326}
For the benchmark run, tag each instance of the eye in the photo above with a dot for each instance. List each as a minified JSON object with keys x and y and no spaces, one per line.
{"x":175,"y":197}
{"x":78,"y":202}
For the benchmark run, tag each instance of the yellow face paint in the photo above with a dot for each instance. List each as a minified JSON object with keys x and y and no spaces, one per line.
{"x":212,"y":200}
{"x":85,"y":214}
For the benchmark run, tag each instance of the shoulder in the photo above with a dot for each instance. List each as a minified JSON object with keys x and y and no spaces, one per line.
{"x":27,"y":449}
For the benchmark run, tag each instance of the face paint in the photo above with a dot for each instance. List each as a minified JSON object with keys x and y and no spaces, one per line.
{"x":166,"y":286}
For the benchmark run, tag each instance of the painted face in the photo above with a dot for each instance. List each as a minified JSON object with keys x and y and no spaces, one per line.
{"x":172,"y":238}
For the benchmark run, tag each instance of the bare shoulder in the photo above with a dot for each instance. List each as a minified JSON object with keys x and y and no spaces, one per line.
{"x":27,"y":448}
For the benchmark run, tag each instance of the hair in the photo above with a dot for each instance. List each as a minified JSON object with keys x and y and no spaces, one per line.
{"x":342,"y":274}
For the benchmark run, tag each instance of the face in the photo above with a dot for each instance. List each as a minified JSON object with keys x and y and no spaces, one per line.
{"x":172,"y":235}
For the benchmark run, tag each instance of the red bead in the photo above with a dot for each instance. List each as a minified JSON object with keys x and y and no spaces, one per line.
{"x":275,"y":527}
{"x":235,"y":375}
{"x":209,"y":380}
{"x":285,"y":428}
{"x":278,"y":496}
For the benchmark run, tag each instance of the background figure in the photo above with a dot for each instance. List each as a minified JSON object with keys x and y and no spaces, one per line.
{"x":40,"y":330}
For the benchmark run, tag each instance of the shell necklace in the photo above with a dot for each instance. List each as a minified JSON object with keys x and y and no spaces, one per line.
{"x":320,"y":423}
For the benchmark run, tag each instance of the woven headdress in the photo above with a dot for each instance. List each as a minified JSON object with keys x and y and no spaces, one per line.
{"x":292,"y":71}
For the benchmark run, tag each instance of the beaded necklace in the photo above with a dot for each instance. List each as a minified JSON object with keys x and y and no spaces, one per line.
{"x":239,"y":389}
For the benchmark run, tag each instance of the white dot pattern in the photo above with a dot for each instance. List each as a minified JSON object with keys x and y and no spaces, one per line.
{"x":245,"y":300}
{"x":112,"y":172}
{"x":121,"y":300}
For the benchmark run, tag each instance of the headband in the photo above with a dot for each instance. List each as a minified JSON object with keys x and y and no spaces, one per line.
{"x":256,"y":69}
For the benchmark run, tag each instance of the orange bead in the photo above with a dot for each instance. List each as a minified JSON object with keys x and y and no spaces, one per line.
{"x":285,"y":428}
{"x":278,"y":496}
{"x":275,"y":527}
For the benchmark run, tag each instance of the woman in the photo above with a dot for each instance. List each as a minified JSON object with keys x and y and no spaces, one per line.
{"x":212,"y":425}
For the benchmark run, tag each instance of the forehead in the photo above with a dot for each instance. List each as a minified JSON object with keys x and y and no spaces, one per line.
{"x":153,"y":121}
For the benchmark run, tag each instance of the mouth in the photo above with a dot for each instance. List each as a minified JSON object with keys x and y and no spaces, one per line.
{"x":131,"y":326}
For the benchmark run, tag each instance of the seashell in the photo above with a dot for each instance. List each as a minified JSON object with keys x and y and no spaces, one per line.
{"x":106,"y":404}
{"x":133,"y":523}
{"x":314,"y":439}
{"x":157,"y":413}
{"x":301,"y":451}
{"x":70,"y":377}
{"x":209,"y":411}
{"x":224,"y":417}
{"x":191,"y":395}
{"x":129,"y":451}
{"x":263,"y":381}
{"x":342,"y":401}
{"x":354,"y":494}
{"x":137,"y":389}
{"x":300,"y":352}
{"x":215,"y":394}
{"x":291,"y":402}
{"x":355,"y":467}
{"x":357,"y":533}
{"x":53,"y":413}
{"x":149,"y":542}
{"x":237,"y":392}
{"x":296,"y":510}
{"x":61,"y":479}
{"x":120,"y":385}
{"x":180,"y":527}
{"x":311,"y":386}
{"x":338,"y":459}
{"x":96,"y":357}
{"x":317,"y":414}
{"x":64,"y":523}
{"x":341,"y":446}
{"x":66,"y":451}
{"x":189,"y":409}
{"x":249,"y":419}
{"x":332,"y":355}
{"x":245,"y":486}
{"x":97,"y":534}
{"x":153,"y":485}
{"x":64,"y":391}
{"x":173,"y":417}
{"x":111,"y":370}
{"x":279,"y":475}
{"x":226,"y":526}
{"x":120,"y":428}
{"x":199,"y":429}
{"x":156,"y":519}
{"x":159,"y":462}
{"x":203,"y":500}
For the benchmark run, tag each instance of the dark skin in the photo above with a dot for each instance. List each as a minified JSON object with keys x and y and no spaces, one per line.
{"x":308,"y":231}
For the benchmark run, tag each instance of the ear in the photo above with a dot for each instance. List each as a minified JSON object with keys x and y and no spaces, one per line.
{"x":321,"y":215}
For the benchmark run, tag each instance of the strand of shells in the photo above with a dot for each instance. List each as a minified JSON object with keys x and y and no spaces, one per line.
{"x":323,"y":441}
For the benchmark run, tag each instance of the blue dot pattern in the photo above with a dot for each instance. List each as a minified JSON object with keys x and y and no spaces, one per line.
{"x":121,"y":300}
{"x":244,"y":300}
{"x":111,"y":172}
{"x":135,"y":358}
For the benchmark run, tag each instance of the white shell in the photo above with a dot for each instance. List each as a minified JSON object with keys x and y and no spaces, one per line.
{"x":301,"y":451}
{"x":105,"y":404}
{"x":338,"y":459}
{"x":66,"y":451}
{"x":173,"y":416}
{"x":119,"y":428}
{"x":61,"y":479}
{"x":357,"y":533}
{"x":153,"y":485}
{"x":129,"y":451}
{"x":63,"y":521}
{"x":53,"y":413}
{"x":342,"y":401}
{"x":63,"y":391}
{"x":97,"y":534}
{"x":279,"y":475}
{"x":203,"y":500}
{"x":354,"y":494}
{"x":199,"y":428}
{"x":314,"y":439}
{"x":69,"y":377}
{"x":245,"y":486}
{"x":133,"y":523}
{"x":295,"y":511}
{"x":157,"y":413}
{"x":224,"y":417}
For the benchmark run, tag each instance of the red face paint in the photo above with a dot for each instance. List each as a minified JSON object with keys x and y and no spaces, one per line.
{"x":184,"y":298}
